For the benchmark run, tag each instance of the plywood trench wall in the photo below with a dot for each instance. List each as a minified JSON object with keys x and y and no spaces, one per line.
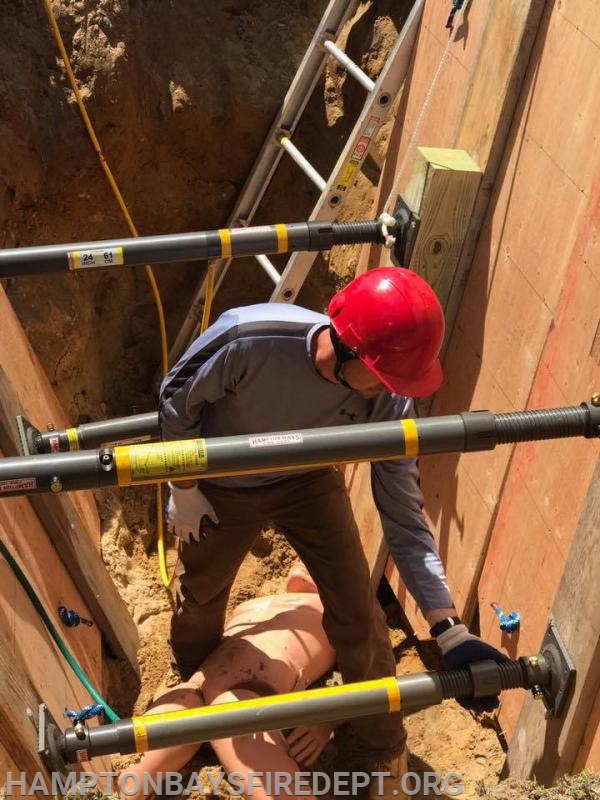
{"x":523,"y":332}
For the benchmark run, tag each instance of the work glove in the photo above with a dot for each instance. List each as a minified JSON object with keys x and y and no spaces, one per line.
{"x":189,"y":514}
{"x":461,"y":648}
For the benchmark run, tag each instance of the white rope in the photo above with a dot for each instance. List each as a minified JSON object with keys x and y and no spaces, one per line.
{"x":426,"y":103}
{"x":386,"y":221}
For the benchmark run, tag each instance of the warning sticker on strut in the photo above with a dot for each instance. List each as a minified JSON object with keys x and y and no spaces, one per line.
{"x":275,"y":440}
{"x":18,"y":484}
{"x":144,"y":463}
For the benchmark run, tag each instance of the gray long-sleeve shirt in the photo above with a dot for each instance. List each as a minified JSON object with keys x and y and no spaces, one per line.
{"x":252,"y":372}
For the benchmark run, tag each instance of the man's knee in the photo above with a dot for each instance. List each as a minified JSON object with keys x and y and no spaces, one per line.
{"x":191,"y":641}
{"x":365,"y":622}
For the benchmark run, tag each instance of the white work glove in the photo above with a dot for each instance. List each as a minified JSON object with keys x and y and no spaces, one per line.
{"x":189,"y":514}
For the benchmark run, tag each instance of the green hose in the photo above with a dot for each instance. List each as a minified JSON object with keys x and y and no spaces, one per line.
{"x":113,"y":717}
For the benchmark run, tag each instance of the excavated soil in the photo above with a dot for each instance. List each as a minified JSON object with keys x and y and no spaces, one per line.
{"x":182,"y":95}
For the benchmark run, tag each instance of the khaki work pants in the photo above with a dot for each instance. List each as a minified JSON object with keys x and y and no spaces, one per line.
{"x":314,"y":513}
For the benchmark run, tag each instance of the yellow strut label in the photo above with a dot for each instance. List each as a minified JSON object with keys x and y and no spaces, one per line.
{"x":411,"y":436}
{"x":72,"y":438}
{"x":86,"y":259}
{"x":144,"y":463}
{"x":225,"y":235}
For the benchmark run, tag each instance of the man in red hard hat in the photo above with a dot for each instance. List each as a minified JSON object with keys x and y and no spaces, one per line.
{"x":275,"y":367}
{"x":391,"y":321}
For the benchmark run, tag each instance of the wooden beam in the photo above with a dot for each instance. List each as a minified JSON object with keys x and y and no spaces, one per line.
{"x":73,"y":544}
{"x":441,"y":191}
{"x":358,"y":483}
{"x":546,"y":749}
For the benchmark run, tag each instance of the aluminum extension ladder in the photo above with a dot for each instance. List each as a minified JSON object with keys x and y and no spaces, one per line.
{"x":380,"y":96}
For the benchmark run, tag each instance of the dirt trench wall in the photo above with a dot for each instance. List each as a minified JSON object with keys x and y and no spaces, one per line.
{"x":181,"y":95}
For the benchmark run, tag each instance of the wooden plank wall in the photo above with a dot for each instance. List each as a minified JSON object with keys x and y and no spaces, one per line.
{"x":527,"y":331}
{"x":31,"y":667}
{"x":71,"y":519}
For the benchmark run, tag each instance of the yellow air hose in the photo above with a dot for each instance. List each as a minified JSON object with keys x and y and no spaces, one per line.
{"x":166,"y":579}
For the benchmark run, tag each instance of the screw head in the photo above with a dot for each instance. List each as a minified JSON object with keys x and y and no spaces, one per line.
{"x":55,"y":484}
{"x":596,"y":399}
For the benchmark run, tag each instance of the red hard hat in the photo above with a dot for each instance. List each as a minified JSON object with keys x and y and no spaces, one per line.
{"x":392,"y":319}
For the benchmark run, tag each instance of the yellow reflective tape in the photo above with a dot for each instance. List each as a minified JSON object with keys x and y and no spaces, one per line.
{"x":73,"y":438}
{"x":123,"y":464}
{"x":411,"y":437}
{"x":282,"y":238}
{"x":390,"y":685}
{"x":225,"y":235}
{"x":145,"y":463}
{"x":140,"y":734}
{"x":394,"y":694}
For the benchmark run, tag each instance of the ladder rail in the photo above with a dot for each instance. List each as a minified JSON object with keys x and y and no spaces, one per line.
{"x":286,"y":121}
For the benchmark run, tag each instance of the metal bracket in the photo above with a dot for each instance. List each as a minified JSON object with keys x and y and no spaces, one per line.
{"x":27,"y":436}
{"x":562,"y":669}
{"x":405,"y":231}
{"x":50,"y":741}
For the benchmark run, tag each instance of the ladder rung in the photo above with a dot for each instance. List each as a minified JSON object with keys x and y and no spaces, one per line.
{"x":302,"y":162}
{"x":269,"y":268}
{"x":349,"y":65}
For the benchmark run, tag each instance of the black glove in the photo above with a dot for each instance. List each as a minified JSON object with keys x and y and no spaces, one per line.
{"x":461,"y":648}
